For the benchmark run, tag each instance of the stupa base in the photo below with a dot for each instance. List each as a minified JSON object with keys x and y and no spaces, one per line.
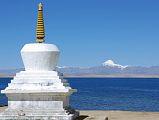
{"x":68,"y":114}
{"x":38,"y":96}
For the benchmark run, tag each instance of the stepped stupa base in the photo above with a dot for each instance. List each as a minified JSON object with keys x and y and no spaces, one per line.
{"x":40,"y":95}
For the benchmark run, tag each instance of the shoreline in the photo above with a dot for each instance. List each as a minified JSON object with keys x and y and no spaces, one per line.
{"x":111,"y":76}
{"x":120,"y":115}
{"x":97,"y":76}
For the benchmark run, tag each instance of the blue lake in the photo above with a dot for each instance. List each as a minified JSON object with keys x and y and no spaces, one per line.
{"x":133,"y":94}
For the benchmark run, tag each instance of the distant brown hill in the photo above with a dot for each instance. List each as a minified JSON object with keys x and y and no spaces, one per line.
{"x":99,"y":71}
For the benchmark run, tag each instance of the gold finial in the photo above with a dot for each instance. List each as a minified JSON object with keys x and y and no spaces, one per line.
{"x":40,"y":34}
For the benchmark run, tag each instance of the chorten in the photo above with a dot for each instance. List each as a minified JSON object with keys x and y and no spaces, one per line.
{"x":38,"y":92}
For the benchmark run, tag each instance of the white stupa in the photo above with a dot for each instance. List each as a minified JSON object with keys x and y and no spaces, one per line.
{"x":39,"y":93}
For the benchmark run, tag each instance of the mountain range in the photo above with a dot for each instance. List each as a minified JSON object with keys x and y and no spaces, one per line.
{"x":111,"y":69}
{"x":106,"y":69}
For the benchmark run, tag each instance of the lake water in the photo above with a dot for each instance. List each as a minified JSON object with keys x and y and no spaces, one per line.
{"x":133,"y":94}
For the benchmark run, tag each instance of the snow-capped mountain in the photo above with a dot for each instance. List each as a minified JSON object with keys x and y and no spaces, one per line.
{"x":110,"y":63}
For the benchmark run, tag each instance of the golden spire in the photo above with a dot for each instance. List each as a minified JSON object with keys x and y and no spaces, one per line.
{"x":40,"y":34}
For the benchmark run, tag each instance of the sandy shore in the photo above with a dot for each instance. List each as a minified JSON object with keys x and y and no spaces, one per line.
{"x":119,"y":115}
{"x":113,"y":115}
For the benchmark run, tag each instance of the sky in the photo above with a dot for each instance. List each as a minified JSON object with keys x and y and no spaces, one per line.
{"x":87,"y":32}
